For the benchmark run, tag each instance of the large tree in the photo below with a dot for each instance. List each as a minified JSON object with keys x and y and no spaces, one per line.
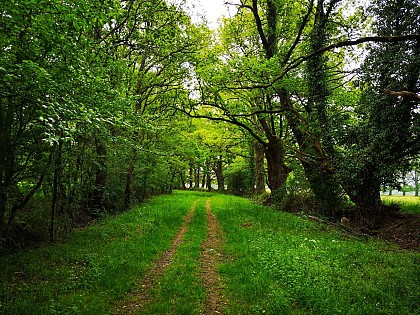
{"x":387,"y":132}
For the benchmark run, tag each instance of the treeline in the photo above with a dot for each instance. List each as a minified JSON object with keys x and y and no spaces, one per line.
{"x":96,"y":101}
{"x":84,"y":117}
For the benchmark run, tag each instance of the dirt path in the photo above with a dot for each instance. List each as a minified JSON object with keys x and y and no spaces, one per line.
{"x":210,"y":256}
{"x":136,"y":300}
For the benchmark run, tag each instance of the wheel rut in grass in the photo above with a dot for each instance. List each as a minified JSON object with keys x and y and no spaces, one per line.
{"x":139,"y":298}
{"x":211,"y":255}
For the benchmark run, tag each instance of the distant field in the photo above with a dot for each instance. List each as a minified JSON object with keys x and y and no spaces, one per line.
{"x":409,"y":204}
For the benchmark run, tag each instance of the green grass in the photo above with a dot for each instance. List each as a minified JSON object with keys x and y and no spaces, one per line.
{"x":409,"y":204}
{"x":282,"y":264}
{"x":179,"y":291}
{"x":275,"y":263}
{"x":96,"y":267}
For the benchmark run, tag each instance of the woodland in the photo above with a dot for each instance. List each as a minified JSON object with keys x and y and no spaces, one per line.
{"x":104,"y":103}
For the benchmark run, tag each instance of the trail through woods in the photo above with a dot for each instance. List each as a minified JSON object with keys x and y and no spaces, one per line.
{"x":211,"y":255}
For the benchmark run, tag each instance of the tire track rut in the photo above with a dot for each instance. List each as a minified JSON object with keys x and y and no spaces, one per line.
{"x":138,"y":299}
{"x":211,"y":255}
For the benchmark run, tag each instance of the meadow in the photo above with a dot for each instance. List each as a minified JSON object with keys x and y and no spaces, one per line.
{"x":408,"y":204}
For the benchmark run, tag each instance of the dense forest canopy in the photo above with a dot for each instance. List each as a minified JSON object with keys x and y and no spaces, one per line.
{"x":103,"y":103}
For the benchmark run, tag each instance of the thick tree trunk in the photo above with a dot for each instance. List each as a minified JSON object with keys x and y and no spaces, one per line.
{"x":7,"y":160}
{"x":252,"y":169}
{"x":364,"y":191}
{"x":318,"y":167}
{"x":277,"y":171}
{"x":203,"y":180}
{"x":181,"y":177}
{"x":208,"y":176}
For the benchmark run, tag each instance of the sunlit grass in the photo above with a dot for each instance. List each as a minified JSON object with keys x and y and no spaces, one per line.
{"x":179,"y":290}
{"x":282,"y":264}
{"x":409,"y":204}
{"x":275,"y":263}
{"x":96,"y":267}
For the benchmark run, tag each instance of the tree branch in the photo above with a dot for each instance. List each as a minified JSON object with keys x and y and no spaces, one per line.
{"x":297,"y":39}
{"x":406,"y":94}
{"x":380,"y":39}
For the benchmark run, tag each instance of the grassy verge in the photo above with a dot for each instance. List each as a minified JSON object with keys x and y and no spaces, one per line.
{"x":409,"y":204}
{"x":96,"y":267}
{"x":179,"y":291}
{"x":282,"y":264}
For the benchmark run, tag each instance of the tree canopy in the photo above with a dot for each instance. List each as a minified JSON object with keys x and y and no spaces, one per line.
{"x":103,"y":103}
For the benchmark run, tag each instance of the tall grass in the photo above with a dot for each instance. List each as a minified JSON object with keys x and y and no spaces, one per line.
{"x":96,"y":267}
{"x":408,"y":204}
{"x":282,"y":264}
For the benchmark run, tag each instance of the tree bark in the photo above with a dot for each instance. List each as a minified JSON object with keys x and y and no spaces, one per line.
{"x":98,"y":195}
{"x":190,"y":179}
{"x":277,"y":171}
{"x":197,"y":178}
{"x":259,"y":168}
{"x":129,"y":180}
{"x":181,"y":177}
{"x":56,"y":184}
{"x":218,"y":169}
{"x":208,"y":176}
{"x":203,"y":180}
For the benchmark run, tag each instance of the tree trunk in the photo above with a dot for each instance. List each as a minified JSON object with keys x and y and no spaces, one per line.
{"x":197,"y":178}
{"x":203,"y":180}
{"x":318,"y":167}
{"x":218,"y":169}
{"x":130,"y":172}
{"x":252,"y":169}
{"x":208,"y":176}
{"x":181,"y":177}
{"x":191,"y":177}
{"x":98,"y":195}
{"x":7,"y":161}
{"x":56,"y":184}
{"x":277,"y":171}
{"x":364,"y":191}
{"x":259,"y":168}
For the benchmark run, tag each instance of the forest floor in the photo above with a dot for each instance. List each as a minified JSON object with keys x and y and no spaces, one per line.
{"x":398,"y":227}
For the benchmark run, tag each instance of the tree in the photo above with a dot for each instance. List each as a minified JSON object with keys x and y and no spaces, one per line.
{"x":387,"y":134}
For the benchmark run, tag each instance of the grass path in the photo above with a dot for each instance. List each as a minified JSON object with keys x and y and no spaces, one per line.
{"x":150,"y":297}
{"x":198,"y":253}
{"x":211,"y":255}
{"x":139,"y":298}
